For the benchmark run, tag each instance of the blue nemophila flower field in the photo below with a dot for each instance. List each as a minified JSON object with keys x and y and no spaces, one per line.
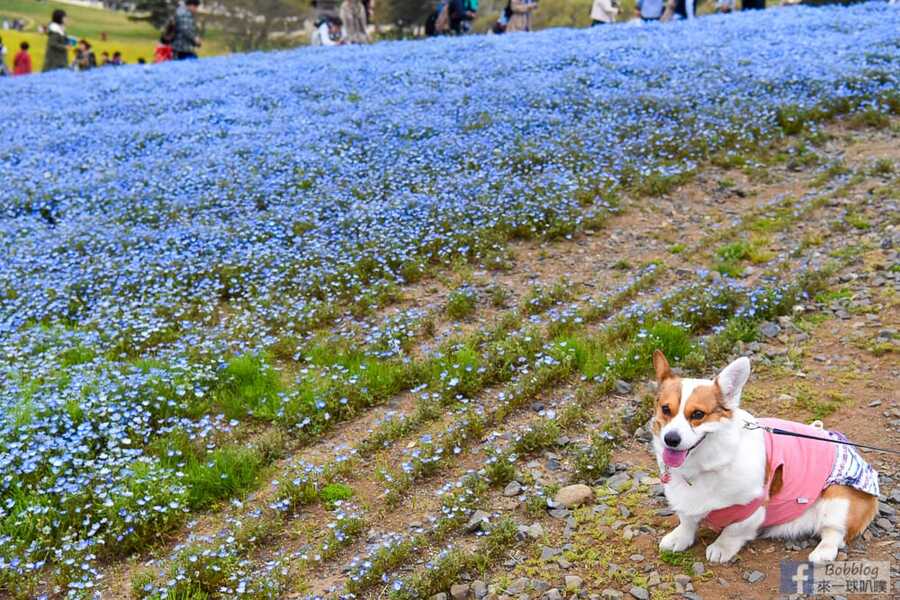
{"x":164,"y":229}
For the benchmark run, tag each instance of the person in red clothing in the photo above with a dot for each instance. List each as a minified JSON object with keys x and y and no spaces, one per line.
{"x":22,"y":60}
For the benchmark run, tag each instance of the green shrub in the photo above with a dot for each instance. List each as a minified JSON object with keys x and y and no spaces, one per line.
{"x":461,"y":303}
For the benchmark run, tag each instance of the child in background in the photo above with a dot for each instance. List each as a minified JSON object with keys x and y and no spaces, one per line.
{"x":22,"y":61}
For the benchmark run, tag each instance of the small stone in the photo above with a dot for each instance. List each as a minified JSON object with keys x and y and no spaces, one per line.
{"x":622,"y":387}
{"x":518,"y":586}
{"x":513,"y":488}
{"x":573,"y":495}
{"x":653,"y":579}
{"x":479,"y":589}
{"x":548,"y":553}
{"x":459,"y":591}
{"x":754,"y":576}
{"x":552,"y":594}
{"x":639,"y":593}
{"x":884,"y":524}
{"x":537,"y":406}
{"x":623,"y":510}
{"x":875,"y":403}
{"x":563,"y":563}
{"x":636,"y":558}
{"x":769,"y":329}
{"x":698,"y":568}
{"x":619,"y":482}
{"x":477,"y":521}
{"x":440,"y":596}
{"x":611,"y":594}
{"x":535,"y":531}
{"x":553,"y":464}
{"x":573,"y":583}
{"x":886,"y":509}
{"x":539,"y":586}
{"x":559,"y":513}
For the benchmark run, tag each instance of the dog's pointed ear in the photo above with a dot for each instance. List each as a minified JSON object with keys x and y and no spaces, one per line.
{"x":731,"y":381}
{"x":661,"y":365}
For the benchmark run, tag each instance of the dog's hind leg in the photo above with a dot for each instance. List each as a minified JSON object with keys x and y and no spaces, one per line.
{"x":733,"y":537}
{"x":683,"y":536}
{"x":842,"y":513}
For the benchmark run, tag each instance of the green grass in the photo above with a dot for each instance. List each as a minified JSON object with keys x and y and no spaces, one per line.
{"x":730,"y":256}
{"x":857,"y":221}
{"x":682,"y":560}
{"x":461,"y":303}
{"x":591,"y":461}
{"x":248,"y":387}
{"x":820,"y":407}
{"x":333,"y":493}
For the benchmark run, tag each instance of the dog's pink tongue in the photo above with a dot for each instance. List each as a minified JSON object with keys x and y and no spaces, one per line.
{"x":674,"y":458}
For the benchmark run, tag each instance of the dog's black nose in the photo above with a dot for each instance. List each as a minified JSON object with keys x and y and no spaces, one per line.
{"x":672,"y":439}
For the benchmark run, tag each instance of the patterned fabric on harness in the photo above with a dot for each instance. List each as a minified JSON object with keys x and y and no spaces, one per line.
{"x":851,"y":469}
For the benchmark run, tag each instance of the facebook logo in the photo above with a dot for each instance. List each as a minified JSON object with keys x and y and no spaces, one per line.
{"x":797,"y":577}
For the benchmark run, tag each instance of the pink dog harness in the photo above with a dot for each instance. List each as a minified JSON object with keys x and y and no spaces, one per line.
{"x":807,"y":467}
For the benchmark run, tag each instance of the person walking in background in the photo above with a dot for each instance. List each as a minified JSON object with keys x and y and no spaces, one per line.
{"x":753,"y":4}
{"x":327,"y":32}
{"x":520,"y":19}
{"x":104,"y":59}
{"x":353,"y":16}
{"x":650,"y":10}
{"x":117,"y":59}
{"x":604,"y":11}
{"x":3,"y":70}
{"x":22,"y":61}
{"x":84,"y":57}
{"x":502,"y":20}
{"x":684,"y":9}
{"x":186,"y":41}
{"x":57,"y":54}
{"x":461,"y":14}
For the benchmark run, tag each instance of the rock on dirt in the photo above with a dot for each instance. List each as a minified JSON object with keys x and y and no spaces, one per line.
{"x":477,"y":521}
{"x":639,"y":593}
{"x":513,"y":488}
{"x":573,"y":583}
{"x":754,"y":576}
{"x":573,"y":495}
{"x":459,"y":591}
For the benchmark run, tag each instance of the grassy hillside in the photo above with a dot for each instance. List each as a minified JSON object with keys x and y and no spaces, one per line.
{"x":134,"y":39}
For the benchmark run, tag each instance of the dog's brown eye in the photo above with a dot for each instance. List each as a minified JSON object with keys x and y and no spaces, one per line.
{"x":666,"y":410}
{"x":697,"y":414}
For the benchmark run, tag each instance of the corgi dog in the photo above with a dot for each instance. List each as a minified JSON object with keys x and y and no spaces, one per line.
{"x":722,"y":467}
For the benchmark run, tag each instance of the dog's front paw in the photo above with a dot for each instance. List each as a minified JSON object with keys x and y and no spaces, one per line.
{"x":823,"y":553}
{"x":677,"y":540}
{"x":723,"y":550}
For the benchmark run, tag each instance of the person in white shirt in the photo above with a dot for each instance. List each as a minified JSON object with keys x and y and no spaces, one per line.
{"x":328,"y":32}
{"x":604,"y":11}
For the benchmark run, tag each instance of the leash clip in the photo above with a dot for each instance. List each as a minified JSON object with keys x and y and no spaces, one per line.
{"x":752,"y":426}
